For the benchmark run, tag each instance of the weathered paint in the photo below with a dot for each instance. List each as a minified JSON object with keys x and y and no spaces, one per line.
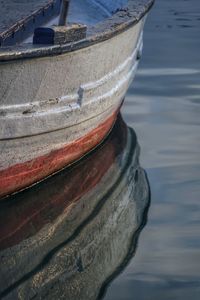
{"x":52,"y":108}
{"x":37,"y":123}
{"x":24,"y":174}
{"x":46,"y":94}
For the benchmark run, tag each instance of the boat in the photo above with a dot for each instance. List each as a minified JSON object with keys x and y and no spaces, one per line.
{"x":63,"y":242}
{"x":60,"y":94}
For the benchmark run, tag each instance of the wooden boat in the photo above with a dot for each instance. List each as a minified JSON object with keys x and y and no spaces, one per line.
{"x":57,"y":102}
{"x":58,"y":241}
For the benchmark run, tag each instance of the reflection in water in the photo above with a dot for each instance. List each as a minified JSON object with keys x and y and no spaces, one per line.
{"x":71,"y":235}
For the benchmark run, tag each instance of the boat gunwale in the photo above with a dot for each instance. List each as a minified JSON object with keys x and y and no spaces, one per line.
{"x":119,"y":22}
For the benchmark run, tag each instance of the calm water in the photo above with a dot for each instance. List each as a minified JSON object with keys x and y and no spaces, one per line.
{"x":107,"y":237}
{"x":163,"y":106}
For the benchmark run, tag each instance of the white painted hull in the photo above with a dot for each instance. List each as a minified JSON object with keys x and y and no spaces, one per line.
{"x":49,"y":102}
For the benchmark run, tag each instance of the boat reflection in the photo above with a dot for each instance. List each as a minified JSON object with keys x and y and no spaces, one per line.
{"x":69,"y":236}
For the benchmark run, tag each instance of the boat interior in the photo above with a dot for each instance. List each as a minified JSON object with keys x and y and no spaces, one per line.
{"x":17,"y":28}
{"x":90,"y":12}
{"x":95,"y":21}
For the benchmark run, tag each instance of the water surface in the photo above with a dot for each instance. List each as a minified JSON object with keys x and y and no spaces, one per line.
{"x":163,"y":106}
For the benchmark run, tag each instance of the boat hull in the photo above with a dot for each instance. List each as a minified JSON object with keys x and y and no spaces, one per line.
{"x":55,"y":109}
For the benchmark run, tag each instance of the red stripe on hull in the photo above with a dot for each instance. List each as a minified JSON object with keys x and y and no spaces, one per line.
{"x":25,"y":174}
{"x":24,"y":217}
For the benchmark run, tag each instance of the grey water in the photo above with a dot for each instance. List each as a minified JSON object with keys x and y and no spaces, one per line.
{"x":163,"y":106}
